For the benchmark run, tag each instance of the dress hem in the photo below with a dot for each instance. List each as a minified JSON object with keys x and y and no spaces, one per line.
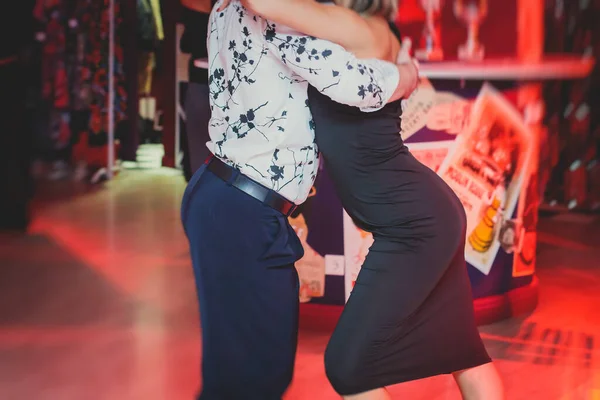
{"x":422,"y":375}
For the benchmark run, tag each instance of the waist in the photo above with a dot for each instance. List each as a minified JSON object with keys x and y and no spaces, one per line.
{"x":362,"y":149}
{"x":276,"y":170}
{"x":252,"y":188}
{"x":321,"y":104}
{"x":285,"y":160}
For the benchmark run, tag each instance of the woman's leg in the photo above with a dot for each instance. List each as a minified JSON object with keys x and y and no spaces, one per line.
{"x":414,"y":302}
{"x":377,"y":394}
{"x":395,"y":340}
{"x":480,"y":383}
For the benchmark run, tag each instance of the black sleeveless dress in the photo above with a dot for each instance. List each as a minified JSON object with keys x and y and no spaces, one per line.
{"x":410,"y":314}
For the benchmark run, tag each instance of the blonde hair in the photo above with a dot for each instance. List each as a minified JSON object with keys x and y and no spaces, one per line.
{"x":384,"y":8}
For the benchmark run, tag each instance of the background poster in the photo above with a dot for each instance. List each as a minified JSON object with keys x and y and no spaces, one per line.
{"x":437,"y":111}
{"x":431,"y":154}
{"x":525,"y":237}
{"x":311,"y":267}
{"x":356,"y":248}
{"x":318,"y":222}
{"x":486,"y":168}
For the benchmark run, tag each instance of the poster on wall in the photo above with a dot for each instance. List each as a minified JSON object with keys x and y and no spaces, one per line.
{"x":317,"y":223}
{"x":356,"y":248}
{"x":311,"y":267}
{"x":524,"y":234}
{"x":487,"y":168}
{"x":431,"y":154}
{"x":437,"y":111}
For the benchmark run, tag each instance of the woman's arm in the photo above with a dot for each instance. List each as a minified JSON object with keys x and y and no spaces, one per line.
{"x":325,"y":21}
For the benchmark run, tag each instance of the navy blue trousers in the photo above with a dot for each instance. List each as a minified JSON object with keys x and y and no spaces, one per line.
{"x":243,"y":254}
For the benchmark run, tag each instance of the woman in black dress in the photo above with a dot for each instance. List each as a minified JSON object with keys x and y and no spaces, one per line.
{"x":410,"y":314}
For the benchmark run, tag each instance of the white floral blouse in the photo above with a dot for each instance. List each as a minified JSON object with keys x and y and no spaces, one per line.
{"x":259,"y":74}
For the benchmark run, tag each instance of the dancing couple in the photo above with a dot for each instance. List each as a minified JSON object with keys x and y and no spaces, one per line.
{"x":289,"y":79}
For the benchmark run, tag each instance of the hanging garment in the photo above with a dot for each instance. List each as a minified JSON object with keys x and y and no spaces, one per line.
{"x":150,"y":28}
{"x":149,"y":35}
{"x":55,"y":92}
{"x":93,"y":20}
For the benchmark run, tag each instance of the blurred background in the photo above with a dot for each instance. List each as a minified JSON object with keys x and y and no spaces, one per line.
{"x":104,"y":113}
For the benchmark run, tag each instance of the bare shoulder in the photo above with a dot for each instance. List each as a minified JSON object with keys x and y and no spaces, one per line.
{"x":383,"y":43}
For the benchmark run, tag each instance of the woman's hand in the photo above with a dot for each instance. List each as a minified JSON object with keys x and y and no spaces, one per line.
{"x":405,"y":59}
{"x":404,"y":55}
{"x":409,"y":80}
{"x":408,"y":68}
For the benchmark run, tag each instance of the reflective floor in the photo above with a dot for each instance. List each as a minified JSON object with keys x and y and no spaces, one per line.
{"x":98,"y":303}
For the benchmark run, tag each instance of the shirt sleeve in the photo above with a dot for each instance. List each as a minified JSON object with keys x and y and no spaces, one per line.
{"x":335,"y":72}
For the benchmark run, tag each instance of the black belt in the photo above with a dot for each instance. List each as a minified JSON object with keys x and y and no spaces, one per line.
{"x":248,"y":186}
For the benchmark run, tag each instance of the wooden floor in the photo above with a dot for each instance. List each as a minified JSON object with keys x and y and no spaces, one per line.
{"x":98,"y":303}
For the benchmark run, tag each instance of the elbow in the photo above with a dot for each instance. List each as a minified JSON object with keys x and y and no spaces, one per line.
{"x":359,"y":98}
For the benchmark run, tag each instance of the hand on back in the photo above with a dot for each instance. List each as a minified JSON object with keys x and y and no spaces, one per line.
{"x":408,"y":68}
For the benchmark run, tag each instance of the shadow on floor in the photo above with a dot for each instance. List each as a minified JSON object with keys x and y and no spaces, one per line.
{"x":42,"y":284}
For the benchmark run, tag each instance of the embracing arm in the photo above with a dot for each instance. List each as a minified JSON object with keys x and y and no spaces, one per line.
{"x":329,"y":22}
{"x":337,"y":73}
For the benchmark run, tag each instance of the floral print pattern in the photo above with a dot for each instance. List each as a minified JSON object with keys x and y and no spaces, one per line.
{"x":259,"y":74}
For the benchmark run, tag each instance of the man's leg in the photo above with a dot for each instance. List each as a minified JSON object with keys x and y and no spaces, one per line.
{"x":243,"y":254}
